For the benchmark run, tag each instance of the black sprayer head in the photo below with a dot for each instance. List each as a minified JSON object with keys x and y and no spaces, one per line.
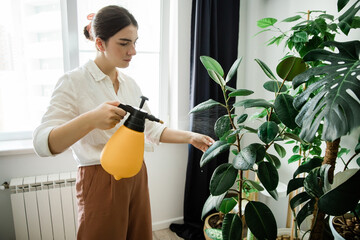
{"x":136,"y":120}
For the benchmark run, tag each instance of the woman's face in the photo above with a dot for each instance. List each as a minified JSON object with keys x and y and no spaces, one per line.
{"x":120,"y":48}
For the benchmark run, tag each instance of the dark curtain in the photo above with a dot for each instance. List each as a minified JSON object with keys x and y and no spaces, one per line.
{"x":214,"y":33}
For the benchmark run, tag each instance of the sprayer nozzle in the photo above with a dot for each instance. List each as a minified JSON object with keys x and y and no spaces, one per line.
{"x":162,"y":122}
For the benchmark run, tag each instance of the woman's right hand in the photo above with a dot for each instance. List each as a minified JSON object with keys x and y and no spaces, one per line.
{"x":107,"y":115}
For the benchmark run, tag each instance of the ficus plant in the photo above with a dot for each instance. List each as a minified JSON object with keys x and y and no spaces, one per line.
{"x":327,"y":98}
{"x":258,"y":157}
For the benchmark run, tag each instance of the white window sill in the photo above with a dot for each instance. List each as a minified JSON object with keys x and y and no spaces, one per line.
{"x":15,"y":147}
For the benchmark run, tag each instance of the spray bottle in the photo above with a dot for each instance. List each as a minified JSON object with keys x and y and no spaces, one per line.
{"x":123,"y":154}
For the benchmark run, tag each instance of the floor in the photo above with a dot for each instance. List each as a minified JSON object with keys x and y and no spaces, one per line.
{"x":165,"y":234}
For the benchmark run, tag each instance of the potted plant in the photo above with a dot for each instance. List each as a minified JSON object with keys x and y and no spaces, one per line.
{"x":281,"y":121}
{"x":328,"y":101}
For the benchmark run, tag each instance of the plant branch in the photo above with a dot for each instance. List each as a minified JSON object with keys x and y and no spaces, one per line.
{"x":352,"y":157}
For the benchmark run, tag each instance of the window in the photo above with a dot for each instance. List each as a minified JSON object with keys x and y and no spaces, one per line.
{"x":34,"y":46}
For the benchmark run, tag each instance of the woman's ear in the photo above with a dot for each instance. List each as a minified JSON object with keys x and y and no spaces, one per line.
{"x":99,"y":44}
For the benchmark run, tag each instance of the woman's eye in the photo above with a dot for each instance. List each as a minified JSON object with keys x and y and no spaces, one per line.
{"x":123,"y":44}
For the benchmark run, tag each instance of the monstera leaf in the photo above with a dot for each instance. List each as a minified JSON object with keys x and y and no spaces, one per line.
{"x":334,"y":99}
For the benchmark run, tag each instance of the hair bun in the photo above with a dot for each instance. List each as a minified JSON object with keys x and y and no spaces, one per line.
{"x":88,"y":34}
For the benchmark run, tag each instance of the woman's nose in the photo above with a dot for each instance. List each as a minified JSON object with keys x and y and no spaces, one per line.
{"x":132,"y":50}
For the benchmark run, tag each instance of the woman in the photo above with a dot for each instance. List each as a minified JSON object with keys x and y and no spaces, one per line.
{"x":83,"y":114}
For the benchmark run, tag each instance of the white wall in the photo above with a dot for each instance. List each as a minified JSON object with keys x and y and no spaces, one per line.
{"x":252,"y":77}
{"x":166,"y":165}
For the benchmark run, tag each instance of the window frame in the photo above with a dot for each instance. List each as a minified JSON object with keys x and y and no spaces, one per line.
{"x":71,"y":57}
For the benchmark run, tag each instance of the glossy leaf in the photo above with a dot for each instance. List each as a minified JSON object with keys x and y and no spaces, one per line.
{"x":216,"y":77}
{"x":295,"y":184}
{"x":274,"y":194}
{"x":222,"y":179}
{"x":268,"y":175}
{"x":211,"y":203}
{"x":233,"y":69}
{"x":268,"y":131}
{"x":300,"y":37}
{"x":346,"y":19}
{"x":346,"y":192}
{"x":290,"y":67}
{"x":266,"y":22}
{"x":232,"y":227}
{"x":260,"y":220}
{"x":266,"y":69}
{"x":211,"y":64}
{"x":227,"y":205}
{"x":274,"y":86}
{"x":292,"y":19}
{"x":255,"y":185}
{"x":280,"y":150}
{"x":294,"y":158}
{"x":285,"y":110}
{"x":222,"y":125}
{"x":313,"y":184}
{"x":214,"y":150}
{"x":240,"y":92}
{"x":247,"y":157}
{"x":299,"y":199}
{"x":273,"y":159}
{"x":242,"y":118}
{"x":305,"y":211}
{"x":308,"y":166}
{"x":204,"y":106}
{"x":249,"y":103}
{"x":293,"y":136}
{"x":341,"y":4}
{"x":335,"y":102}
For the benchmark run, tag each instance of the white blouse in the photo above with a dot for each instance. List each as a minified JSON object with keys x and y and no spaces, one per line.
{"x":80,"y":91}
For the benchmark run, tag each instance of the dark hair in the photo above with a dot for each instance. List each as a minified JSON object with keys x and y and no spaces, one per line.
{"x":108,"y":21}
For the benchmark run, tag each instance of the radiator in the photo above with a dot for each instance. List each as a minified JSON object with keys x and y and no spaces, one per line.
{"x":44,"y":207}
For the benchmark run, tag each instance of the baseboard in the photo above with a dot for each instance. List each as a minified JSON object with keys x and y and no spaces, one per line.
{"x":166,"y":223}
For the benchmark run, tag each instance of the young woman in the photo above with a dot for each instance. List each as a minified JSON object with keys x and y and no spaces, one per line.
{"x":83,"y":114}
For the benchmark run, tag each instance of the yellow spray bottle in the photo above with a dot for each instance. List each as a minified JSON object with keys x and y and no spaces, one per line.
{"x":123,"y":154}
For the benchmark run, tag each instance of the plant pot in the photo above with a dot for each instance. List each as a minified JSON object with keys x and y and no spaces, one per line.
{"x":208,"y":223}
{"x":285,"y":233}
{"x":340,"y":229}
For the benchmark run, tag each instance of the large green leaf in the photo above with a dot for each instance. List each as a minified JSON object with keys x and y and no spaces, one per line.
{"x":211,"y":64}
{"x":266,"y":69}
{"x":290,"y":67}
{"x":233,"y":69}
{"x":222,"y":125}
{"x":285,"y":110}
{"x":227,"y":204}
{"x":254,"y":184}
{"x":222,"y":179}
{"x":240,"y":92}
{"x":211,"y":203}
{"x":214,"y":150}
{"x":308,"y":165}
{"x":246,"y":158}
{"x":280,"y":150}
{"x":313,"y":183}
{"x":295,"y":184}
{"x":346,"y":19}
{"x":266,"y":22}
{"x":273,"y":159}
{"x":268,"y":131}
{"x":344,"y":196}
{"x":268,"y":175}
{"x":305,"y":211}
{"x":216,"y":77}
{"x":204,"y":106}
{"x":249,"y":103}
{"x":274,"y":86}
{"x":299,"y":199}
{"x":260,"y":220}
{"x":336,"y":95}
{"x":232,"y":227}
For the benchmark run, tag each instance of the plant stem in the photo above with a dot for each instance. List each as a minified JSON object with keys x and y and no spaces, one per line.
{"x":352,"y":157}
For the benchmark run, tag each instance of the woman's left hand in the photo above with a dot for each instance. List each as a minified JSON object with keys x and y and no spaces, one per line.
{"x":200,"y":141}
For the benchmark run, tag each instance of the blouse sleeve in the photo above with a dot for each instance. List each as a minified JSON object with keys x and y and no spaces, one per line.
{"x":62,"y":108}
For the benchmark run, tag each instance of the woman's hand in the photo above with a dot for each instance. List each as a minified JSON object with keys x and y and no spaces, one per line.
{"x":107,"y":115}
{"x":200,"y":141}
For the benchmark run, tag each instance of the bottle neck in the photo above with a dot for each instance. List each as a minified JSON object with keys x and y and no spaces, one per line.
{"x":136,"y":121}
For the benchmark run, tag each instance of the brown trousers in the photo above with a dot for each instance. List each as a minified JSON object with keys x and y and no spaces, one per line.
{"x":111,"y":209}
